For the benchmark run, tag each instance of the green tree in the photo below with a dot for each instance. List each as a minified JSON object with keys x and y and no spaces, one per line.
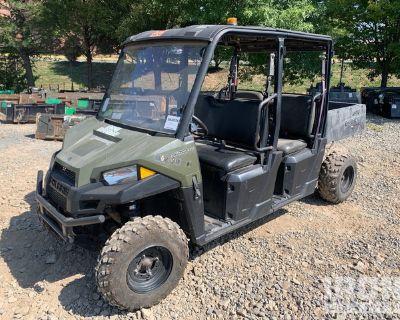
{"x":19,"y":33}
{"x":368,"y":33}
{"x":12,"y":73}
{"x":86,"y":24}
{"x":155,"y":14}
{"x":142,"y":15}
{"x":289,"y":14}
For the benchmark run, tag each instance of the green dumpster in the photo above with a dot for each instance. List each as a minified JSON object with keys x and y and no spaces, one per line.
{"x":70,"y":111}
{"x":53,"y":101}
{"x":7,"y":91}
{"x":5,"y":104}
{"x":83,"y":103}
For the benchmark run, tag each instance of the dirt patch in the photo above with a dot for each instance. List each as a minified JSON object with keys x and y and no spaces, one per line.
{"x":270,"y":271}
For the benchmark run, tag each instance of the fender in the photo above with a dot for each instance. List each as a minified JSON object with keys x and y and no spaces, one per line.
{"x":120,"y":194}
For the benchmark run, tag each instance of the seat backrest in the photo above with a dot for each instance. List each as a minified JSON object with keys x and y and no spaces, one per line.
{"x":248,"y":94}
{"x":297,"y":116}
{"x":234,"y":121}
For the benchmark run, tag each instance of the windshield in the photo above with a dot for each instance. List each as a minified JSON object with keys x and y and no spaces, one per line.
{"x":151,"y":85}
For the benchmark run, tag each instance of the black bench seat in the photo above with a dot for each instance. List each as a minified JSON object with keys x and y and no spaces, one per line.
{"x":224,"y":159}
{"x":288,"y":146}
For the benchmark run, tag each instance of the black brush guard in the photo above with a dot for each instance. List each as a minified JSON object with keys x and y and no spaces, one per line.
{"x":59,"y":223}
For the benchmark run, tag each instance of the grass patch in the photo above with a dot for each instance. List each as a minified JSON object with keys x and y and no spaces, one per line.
{"x":63,"y":73}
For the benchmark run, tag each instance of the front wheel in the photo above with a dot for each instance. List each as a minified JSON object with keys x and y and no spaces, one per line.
{"x":142,"y":262}
{"x":337,"y":177}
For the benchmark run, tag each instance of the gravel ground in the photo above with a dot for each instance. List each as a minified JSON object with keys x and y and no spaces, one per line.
{"x":277,"y":270}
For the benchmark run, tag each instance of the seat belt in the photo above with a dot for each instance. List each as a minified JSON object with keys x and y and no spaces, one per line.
{"x":268,"y":92}
{"x":231,"y":88}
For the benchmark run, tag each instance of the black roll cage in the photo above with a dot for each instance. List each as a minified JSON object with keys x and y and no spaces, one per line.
{"x":280,"y":53}
{"x":300,"y":42}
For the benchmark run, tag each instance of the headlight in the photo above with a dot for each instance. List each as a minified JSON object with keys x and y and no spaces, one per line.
{"x":121,"y":175}
{"x":126,"y":175}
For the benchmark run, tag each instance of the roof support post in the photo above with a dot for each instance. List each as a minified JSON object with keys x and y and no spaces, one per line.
{"x":280,"y":54}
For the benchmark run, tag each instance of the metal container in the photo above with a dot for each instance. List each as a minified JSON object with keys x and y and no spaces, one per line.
{"x":54,"y":126}
{"x":24,"y":113}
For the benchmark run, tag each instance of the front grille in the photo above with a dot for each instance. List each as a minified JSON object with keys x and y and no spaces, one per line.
{"x":65,"y":174}
{"x":56,"y":198}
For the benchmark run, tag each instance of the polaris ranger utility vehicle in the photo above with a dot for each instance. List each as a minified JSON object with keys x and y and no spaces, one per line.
{"x":165,"y":162}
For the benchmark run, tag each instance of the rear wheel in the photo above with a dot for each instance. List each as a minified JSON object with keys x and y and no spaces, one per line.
{"x":337,"y":177}
{"x":142,"y":262}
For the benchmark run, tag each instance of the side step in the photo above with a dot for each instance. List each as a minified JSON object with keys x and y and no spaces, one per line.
{"x":212,"y":225}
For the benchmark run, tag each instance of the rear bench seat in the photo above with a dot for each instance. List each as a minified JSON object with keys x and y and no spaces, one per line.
{"x":235,"y":122}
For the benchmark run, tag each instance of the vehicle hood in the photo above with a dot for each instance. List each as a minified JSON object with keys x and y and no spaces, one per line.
{"x":93,"y":147}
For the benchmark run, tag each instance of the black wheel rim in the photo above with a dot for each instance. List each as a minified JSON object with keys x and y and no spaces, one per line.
{"x":149,"y":269}
{"x":347,"y":180}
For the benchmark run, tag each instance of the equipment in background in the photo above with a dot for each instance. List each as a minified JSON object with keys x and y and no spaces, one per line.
{"x":54,"y":126}
{"x":84,"y":106}
{"x":339,"y":93}
{"x":12,"y":112}
{"x":382,"y":101}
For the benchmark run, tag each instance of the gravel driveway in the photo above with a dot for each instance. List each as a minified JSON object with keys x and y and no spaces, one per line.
{"x":284,"y":269}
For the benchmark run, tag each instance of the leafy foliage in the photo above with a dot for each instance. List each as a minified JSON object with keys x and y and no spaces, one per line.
{"x":368,"y":33}
{"x":83,"y":26}
{"x":20,"y":35}
{"x":295,"y":15}
{"x":12,"y":73}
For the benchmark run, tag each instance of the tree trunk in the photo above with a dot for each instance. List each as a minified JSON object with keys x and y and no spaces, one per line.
{"x":27,"y":66}
{"x":87,"y":41}
{"x":385,"y":75}
{"x":89,"y":60}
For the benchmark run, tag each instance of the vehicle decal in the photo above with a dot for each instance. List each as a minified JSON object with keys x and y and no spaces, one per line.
{"x":110,"y":130}
{"x":157,"y":33}
{"x":172,"y":123}
{"x":174,"y":158}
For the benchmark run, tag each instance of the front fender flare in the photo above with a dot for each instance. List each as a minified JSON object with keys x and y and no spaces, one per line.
{"x":120,"y":194}
{"x":149,"y":187}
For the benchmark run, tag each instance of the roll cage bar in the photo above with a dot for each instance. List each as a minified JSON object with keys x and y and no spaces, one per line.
{"x":255,"y":39}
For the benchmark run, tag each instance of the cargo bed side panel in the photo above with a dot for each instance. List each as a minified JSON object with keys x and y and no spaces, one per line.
{"x":345,"y":122}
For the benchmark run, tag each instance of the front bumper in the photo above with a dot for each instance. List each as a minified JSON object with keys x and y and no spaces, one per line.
{"x":75,"y":200}
{"x":58,"y":222}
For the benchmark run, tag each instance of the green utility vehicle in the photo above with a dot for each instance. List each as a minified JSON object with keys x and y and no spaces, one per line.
{"x":166,"y":163}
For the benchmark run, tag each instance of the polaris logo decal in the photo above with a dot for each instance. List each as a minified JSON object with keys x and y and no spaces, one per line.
{"x":174,"y":158}
{"x":58,"y":186}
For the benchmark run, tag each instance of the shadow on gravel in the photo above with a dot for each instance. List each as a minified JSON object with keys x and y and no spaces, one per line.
{"x":33,"y":255}
{"x":198,"y":251}
{"x":315,"y":199}
{"x":379,"y":120}
{"x":80,"y":298}
{"x":36,"y":257}
{"x":32,"y":136}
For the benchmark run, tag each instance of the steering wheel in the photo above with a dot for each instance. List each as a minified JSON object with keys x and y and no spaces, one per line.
{"x":201,"y":124}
